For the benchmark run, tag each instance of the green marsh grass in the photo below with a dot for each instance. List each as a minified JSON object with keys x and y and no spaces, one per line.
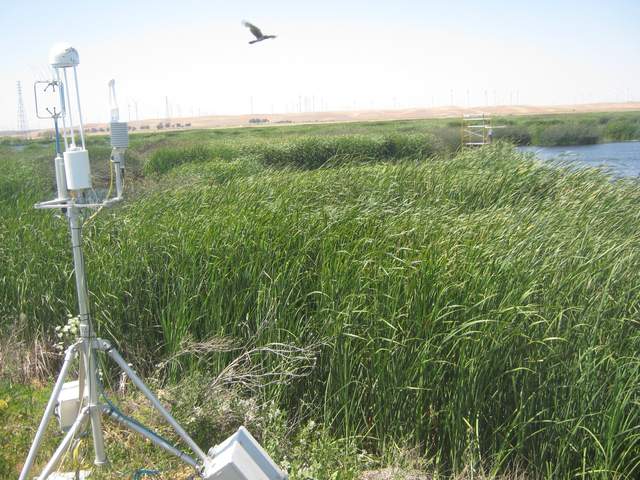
{"x":307,"y":152}
{"x":482,"y":307}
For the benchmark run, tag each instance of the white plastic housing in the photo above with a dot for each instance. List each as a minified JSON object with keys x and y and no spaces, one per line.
{"x":240,"y":457}
{"x":77,"y":169}
{"x":69,"y":404}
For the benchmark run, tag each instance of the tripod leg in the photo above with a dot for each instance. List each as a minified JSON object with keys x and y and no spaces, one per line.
{"x":81,"y":382}
{"x":148,"y":434}
{"x":64,"y":445}
{"x":156,"y":403}
{"x":53,"y":400}
{"x":96,"y":420}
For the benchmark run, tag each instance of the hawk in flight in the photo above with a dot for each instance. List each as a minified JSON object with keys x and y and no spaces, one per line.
{"x":256,"y":32}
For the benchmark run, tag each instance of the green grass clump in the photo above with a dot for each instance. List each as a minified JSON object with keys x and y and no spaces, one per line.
{"x":306,"y":152}
{"x":583,"y":129}
{"x":518,"y":135}
{"x":568,"y":134}
{"x":22,"y":182}
{"x":314,"y":152}
{"x":623,"y":130}
{"x":164,"y":159}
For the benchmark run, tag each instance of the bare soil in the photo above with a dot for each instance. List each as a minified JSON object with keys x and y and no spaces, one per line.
{"x":222,"y":121}
{"x":217,"y":121}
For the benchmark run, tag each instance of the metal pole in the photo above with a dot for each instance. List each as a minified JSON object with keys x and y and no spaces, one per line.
{"x":64,"y":113}
{"x":61,"y":181}
{"x":53,"y":400}
{"x":80,"y":419}
{"x":87,"y":334}
{"x":156,"y":403}
{"x":55,"y":124}
{"x":75,"y":78}
{"x":66,"y":83}
{"x":118,"y":161}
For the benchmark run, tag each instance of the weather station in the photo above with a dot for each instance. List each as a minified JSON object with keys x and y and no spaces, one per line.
{"x":81,"y":404}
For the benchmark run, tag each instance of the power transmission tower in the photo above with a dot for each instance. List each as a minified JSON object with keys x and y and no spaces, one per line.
{"x":22,"y":116}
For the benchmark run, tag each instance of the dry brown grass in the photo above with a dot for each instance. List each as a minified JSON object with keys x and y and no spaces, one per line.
{"x":26,"y":362}
{"x":394,"y":473}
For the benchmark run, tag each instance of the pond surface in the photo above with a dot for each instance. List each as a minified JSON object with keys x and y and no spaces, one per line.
{"x":621,"y":159}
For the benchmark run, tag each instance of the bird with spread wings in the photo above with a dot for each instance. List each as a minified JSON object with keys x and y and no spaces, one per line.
{"x":256,"y":32}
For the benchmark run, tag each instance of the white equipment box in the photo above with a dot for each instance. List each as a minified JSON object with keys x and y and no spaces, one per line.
{"x":240,"y":457}
{"x":77,"y":168}
{"x":69,"y":404}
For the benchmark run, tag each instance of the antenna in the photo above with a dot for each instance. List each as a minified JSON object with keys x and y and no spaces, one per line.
{"x":22,"y":117}
{"x":78,"y":403}
{"x":119,"y":138}
{"x":62,"y":58}
{"x":113,"y":101}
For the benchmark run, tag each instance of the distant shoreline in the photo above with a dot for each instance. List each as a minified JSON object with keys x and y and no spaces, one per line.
{"x":279,"y":119}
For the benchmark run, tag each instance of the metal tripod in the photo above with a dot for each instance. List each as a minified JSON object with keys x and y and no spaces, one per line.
{"x":90,"y":388}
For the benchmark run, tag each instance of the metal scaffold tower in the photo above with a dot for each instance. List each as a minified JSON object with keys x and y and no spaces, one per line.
{"x":22,"y":116}
{"x":476,"y":130}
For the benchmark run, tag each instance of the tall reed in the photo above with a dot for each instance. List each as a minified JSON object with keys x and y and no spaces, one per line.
{"x":484,"y":307}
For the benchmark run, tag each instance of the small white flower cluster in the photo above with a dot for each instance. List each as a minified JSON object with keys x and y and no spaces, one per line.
{"x":68,"y":332}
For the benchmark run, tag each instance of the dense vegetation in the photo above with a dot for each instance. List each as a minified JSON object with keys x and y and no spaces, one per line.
{"x":480,"y":306}
{"x":585,"y":129}
{"x":544,"y":130}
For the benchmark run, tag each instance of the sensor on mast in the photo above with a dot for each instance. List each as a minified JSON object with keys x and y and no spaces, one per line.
{"x":119,"y":137}
{"x":63,"y":57}
{"x":113,"y":102}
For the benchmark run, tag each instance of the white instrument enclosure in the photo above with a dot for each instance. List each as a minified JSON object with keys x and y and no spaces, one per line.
{"x":69,"y":404}
{"x":240,"y":457}
{"x":77,"y":169}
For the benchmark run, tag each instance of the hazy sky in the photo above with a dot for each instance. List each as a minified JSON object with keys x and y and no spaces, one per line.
{"x":345,"y":54}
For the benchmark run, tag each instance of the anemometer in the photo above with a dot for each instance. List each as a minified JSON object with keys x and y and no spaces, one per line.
{"x":82,"y":403}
